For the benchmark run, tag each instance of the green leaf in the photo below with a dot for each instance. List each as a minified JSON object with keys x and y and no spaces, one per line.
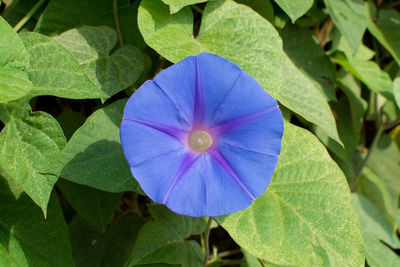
{"x":351,"y":88}
{"x":340,"y":43}
{"x":389,"y":111}
{"x":262,"y":7}
{"x":170,"y":35}
{"x":305,"y":217}
{"x":61,"y":15}
{"x":313,"y":18}
{"x":302,"y":101}
{"x":349,"y":127}
{"x":94,"y":157}
{"x":396,"y":91}
{"x":176,"y":5}
{"x":241,"y":35}
{"x":376,"y":229}
{"x":28,"y":142}
{"x":350,"y":18}
{"x":93,"y":248}
{"x":367,"y":72}
{"x":91,"y":47}
{"x":14,"y":84}
{"x":295,"y":8}
{"x":14,"y":58}
{"x":26,"y":238}
{"x":306,"y":53}
{"x":12,"y":51}
{"x":372,"y":187}
{"x":54,"y":71}
{"x":93,"y":205}
{"x":349,"y":135}
{"x":385,"y":28}
{"x":163,"y":240}
{"x":384,"y":162}
{"x":252,"y":261}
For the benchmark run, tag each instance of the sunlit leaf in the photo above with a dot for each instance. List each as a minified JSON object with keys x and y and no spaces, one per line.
{"x":367,"y":72}
{"x":350,"y":18}
{"x":14,"y":58}
{"x":305,"y":217}
{"x":28,"y":142}
{"x":53,"y":70}
{"x":176,"y":5}
{"x":295,"y":8}
{"x":91,"y":47}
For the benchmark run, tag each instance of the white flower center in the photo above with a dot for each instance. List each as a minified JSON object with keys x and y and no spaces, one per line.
{"x":200,"y":141}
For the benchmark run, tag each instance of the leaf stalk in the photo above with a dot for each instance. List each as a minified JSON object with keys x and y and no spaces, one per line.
{"x":28,"y":16}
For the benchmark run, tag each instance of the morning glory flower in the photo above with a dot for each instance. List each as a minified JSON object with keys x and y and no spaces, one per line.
{"x":202,"y":137}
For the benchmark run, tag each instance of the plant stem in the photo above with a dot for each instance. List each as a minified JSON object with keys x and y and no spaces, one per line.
{"x":392,"y":124}
{"x":117,"y":26}
{"x":207,"y":241}
{"x":261,"y":262}
{"x":198,"y":9}
{"x":228,"y":253}
{"x":364,"y":162}
{"x":27,"y":17}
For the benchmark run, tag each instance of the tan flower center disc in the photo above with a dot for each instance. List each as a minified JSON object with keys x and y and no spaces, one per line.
{"x":200,"y":141}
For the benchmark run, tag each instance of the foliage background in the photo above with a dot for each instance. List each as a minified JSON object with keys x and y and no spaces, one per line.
{"x":67,"y":68}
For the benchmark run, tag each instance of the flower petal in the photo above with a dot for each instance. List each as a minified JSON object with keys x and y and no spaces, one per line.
{"x":217,"y":76}
{"x":255,"y":169}
{"x":188,"y":197}
{"x":156,"y":175}
{"x":178,"y":82}
{"x":245,"y":98}
{"x":262,"y":134}
{"x":150,"y":103}
{"x":207,"y":188}
{"x":141,"y":142}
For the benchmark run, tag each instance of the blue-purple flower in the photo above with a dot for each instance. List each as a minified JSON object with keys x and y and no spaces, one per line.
{"x":202,"y":137}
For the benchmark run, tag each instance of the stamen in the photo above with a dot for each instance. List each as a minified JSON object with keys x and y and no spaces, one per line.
{"x":200,"y":141}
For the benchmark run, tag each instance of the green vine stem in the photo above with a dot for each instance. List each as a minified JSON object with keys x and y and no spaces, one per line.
{"x":117,"y":25}
{"x":207,"y":241}
{"x":365,"y":161}
{"x":28,"y":16}
{"x":378,"y":135}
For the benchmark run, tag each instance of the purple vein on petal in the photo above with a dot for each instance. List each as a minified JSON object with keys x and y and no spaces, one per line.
{"x":227,"y":94}
{"x":171,"y":131}
{"x":181,"y":114}
{"x":245,"y":149}
{"x":198,"y":114}
{"x":229,"y":125}
{"x":186,"y":164}
{"x":154,"y":157}
{"x":227,"y":167}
